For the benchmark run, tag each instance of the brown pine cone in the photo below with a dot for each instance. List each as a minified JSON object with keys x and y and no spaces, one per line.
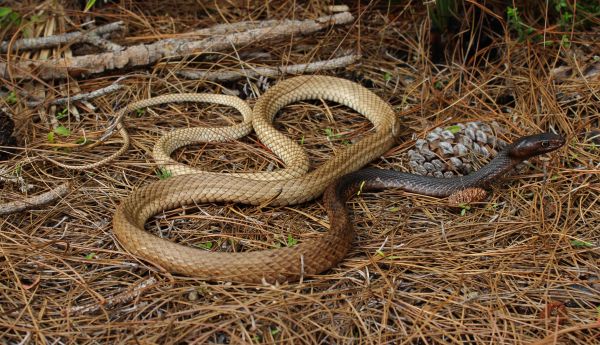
{"x":467,"y":196}
{"x":454,"y":150}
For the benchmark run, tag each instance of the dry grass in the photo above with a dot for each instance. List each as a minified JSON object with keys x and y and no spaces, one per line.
{"x":514,"y":269}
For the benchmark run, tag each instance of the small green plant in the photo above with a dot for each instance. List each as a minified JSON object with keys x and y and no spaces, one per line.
{"x":329,"y":133}
{"x":90,"y":256}
{"x":565,"y":15}
{"x":440,"y":12}
{"x":206,"y":245}
{"x":515,"y":23}
{"x":332,"y":136}
{"x":581,"y":244}
{"x":60,"y":130}
{"x":140,"y":112}
{"x":453,"y":129}
{"x":163,"y":173}
{"x":383,"y":255}
{"x":492,"y":206}
{"x":83,"y":141}
{"x":387,"y":76}
{"x":9,"y":17}
{"x":62,"y":114}
{"x":11,"y":98}
{"x":89,"y":5}
{"x":28,"y":25}
{"x":464,"y":208}
{"x":291,"y":241}
{"x":564,"y":41}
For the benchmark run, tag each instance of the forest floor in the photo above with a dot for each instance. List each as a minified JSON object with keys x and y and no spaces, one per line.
{"x":520,"y":267}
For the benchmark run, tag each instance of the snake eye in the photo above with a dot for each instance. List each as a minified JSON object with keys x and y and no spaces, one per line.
{"x":545,"y":144}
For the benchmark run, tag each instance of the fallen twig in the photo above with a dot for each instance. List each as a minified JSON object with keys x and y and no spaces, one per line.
{"x":251,"y":72}
{"x":37,"y":200}
{"x":80,"y":97}
{"x":90,"y":36}
{"x":119,"y":298}
{"x":5,"y":176}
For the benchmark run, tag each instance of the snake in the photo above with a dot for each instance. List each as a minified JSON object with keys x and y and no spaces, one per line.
{"x":337,"y":179}
{"x":213,"y":134}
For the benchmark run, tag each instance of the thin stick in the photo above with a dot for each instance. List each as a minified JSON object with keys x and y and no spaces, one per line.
{"x":119,"y":298}
{"x":81,"y":96}
{"x":34,"y":201}
{"x":271,"y":71}
{"x":57,"y":40}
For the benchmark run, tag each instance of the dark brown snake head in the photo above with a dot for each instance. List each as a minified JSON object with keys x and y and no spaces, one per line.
{"x":533,"y":145}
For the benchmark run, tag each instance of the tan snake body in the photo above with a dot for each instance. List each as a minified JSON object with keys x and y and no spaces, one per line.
{"x":313,"y":255}
{"x":309,"y":257}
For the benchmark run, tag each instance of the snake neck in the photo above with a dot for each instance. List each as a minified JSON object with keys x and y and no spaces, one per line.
{"x":489,"y":173}
{"x":376,"y":179}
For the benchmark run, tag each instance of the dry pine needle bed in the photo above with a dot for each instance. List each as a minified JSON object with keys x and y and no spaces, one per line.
{"x":519,"y":267}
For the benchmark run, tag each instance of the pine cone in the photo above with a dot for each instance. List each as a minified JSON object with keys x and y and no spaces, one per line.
{"x":454,"y":150}
{"x":467,"y":196}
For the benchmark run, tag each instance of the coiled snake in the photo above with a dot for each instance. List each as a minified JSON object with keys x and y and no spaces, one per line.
{"x":314,"y":255}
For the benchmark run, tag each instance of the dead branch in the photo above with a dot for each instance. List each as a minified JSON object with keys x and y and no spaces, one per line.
{"x":252,"y":72}
{"x":145,"y":54}
{"x":5,"y":176}
{"x":80,"y":97}
{"x":34,"y":201}
{"x":223,"y":29}
{"x":119,"y":298}
{"x":57,"y":40}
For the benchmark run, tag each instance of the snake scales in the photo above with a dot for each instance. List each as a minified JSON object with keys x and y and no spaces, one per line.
{"x":314,"y":255}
